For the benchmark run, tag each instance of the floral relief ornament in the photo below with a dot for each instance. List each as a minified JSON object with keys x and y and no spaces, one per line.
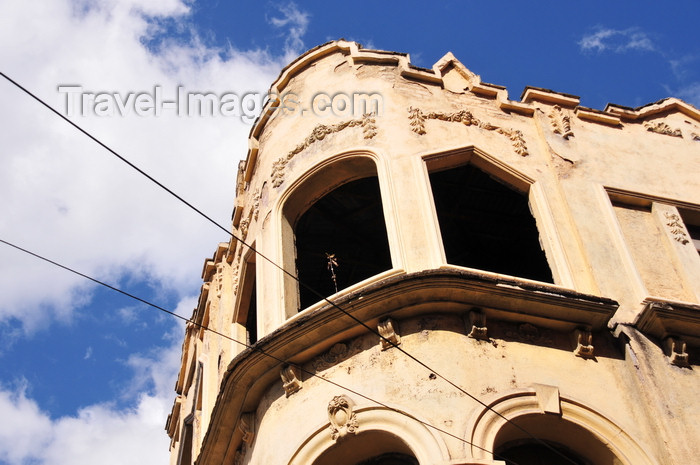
{"x":369,"y":129}
{"x":417,"y":122}
{"x":342,"y":417}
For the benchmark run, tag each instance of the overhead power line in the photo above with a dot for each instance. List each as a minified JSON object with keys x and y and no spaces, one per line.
{"x":248,"y":346}
{"x":273,"y":263}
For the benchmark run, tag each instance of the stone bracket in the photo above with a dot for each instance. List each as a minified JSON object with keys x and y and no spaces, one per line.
{"x":291,"y":379}
{"x":583,"y":343}
{"x":475,"y":322}
{"x":675,"y":350}
{"x":388,"y":330}
{"x":247,"y":426}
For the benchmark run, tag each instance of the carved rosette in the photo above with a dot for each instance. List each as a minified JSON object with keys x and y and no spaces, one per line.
{"x":663,"y":128}
{"x":530,"y":333}
{"x":369,"y":130}
{"x":675,"y":227}
{"x":336,"y":354}
{"x":342,"y":417}
{"x":417,"y":121}
{"x":561,"y":122}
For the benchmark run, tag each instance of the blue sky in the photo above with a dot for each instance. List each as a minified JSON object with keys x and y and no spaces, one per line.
{"x":84,"y":371}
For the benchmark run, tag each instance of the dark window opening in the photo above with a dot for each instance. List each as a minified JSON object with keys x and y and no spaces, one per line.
{"x":341,"y":240}
{"x":251,"y":321}
{"x":691,"y":218}
{"x":539,"y":454}
{"x":186,"y":443}
{"x":391,"y":458}
{"x":487,"y":225}
{"x":248,"y":309}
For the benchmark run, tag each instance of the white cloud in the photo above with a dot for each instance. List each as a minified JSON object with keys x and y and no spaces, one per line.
{"x":617,"y":40}
{"x":70,"y":200}
{"x":102,"y":433}
{"x":690,"y":93}
{"x":66,"y":198}
{"x":295,"y":22}
{"x":97,"y":434}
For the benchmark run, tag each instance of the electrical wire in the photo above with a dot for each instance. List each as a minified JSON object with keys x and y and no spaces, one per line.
{"x":273,"y":263}
{"x":252,"y":347}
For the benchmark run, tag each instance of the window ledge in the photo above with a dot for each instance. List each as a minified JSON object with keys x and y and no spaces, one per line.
{"x":664,"y":318}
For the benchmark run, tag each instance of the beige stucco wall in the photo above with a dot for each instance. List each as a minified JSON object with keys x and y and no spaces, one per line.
{"x":571,"y":160}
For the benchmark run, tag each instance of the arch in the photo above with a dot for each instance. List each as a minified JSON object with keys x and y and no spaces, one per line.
{"x":501,"y":200}
{"x":597,"y":437}
{"x":327,"y":191}
{"x":403,"y":433}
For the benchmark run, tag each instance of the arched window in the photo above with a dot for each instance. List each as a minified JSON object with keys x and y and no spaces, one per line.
{"x":566,"y":431}
{"x":487,"y":224}
{"x":369,"y":448}
{"x":336,"y":220}
{"x":560,"y":442}
{"x":535,"y":453}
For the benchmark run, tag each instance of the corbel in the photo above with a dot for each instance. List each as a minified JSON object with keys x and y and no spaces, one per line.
{"x":388,"y":330}
{"x":583,"y":343}
{"x":475,"y":322}
{"x":675,"y":350}
{"x":291,"y":379}
{"x":247,"y":426}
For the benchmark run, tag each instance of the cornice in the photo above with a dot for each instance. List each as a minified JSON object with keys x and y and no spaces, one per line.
{"x":444,"y":290}
{"x":665,"y":318}
{"x":613,"y":115}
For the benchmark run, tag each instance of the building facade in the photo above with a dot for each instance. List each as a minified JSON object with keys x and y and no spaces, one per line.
{"x":481,"y":280}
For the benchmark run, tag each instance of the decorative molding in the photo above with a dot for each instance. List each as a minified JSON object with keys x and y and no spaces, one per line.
{"x":476,"y":325}
{"x":240,"y":455}
{"x":247,"y":426}
{"x":597,"y":116}
{"x":256,"y":204}
{"x":388,"y":332}
{"x":583,"y":343}
{"x":342,"y":417}
{"x":369,"y":130}
{"x":675,"y":350}
{"x":561,"y":122}
{"x":417,"y":120}
{"x":530,"y":333}
{"x":663,"y":128}
{"x":219,"y":280}
{"x":662,"y":318}
{"x":336,"y":354}
{"x":291,"y":379}
{"x":243,"y":228}
{"x":676,"y":228}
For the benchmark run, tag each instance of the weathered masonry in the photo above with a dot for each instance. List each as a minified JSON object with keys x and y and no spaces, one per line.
{"x":541,"y":255}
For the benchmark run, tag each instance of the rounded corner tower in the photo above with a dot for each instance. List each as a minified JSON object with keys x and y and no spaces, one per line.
{"x":424,"y":271}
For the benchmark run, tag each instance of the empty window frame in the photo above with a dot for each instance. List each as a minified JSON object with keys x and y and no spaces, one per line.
{"x":691,"y":218}
{"x":486,"y":224}
{"x":247,"y":314}
{"x":341,"y":239}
